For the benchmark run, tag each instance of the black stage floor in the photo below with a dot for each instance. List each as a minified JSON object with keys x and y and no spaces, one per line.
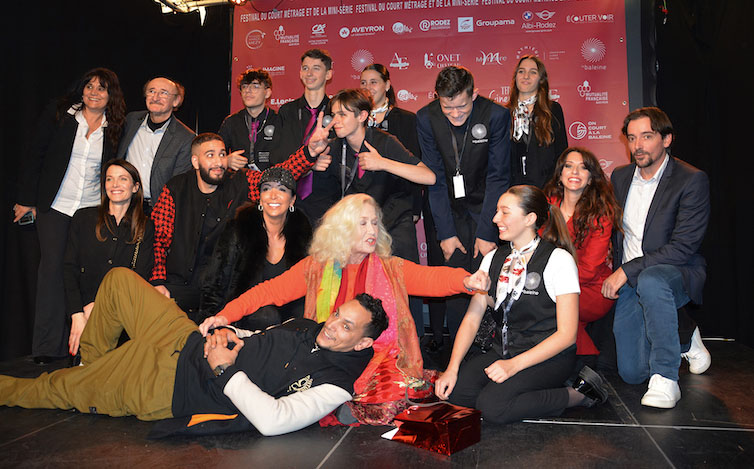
{"x":712,"y":425}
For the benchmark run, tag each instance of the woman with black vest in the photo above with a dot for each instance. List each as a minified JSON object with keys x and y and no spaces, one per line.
{"x":260,"y":243}
{"x":538,"y":133}
{"x":526,"y":324}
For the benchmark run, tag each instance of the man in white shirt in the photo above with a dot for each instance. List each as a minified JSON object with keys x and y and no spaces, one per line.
{"x":658,"y":267}
{"x":155,"y":141}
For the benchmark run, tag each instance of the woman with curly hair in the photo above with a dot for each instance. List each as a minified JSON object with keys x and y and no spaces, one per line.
{"x":585,"y":197}
{"x":538,"y":130}
{"x":61,"y":174}
{"x":351,"y":254}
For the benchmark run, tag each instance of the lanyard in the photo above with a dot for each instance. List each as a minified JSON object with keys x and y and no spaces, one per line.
{"x":346,"y":171}
{"x":455,"y":144}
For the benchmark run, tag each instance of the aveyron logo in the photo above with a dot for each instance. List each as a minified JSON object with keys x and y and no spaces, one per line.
{"x":399,"y":62}
{"x":491,"y":58}
{"x":400,"y":28}
{"x":344,"y":32}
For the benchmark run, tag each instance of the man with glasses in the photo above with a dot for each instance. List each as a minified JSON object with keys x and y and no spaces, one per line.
{"x":156,"y":142}
{"x":252,"y":133}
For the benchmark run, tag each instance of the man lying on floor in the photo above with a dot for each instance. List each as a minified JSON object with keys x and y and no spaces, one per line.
{"x":281,"y":380}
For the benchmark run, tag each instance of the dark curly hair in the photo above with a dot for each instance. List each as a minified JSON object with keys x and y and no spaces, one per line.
{"x":116,"y":106}
{"x":597,"y":200}
{"x":379,"y":321}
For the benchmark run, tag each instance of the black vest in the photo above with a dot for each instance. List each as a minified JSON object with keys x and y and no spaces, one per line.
{"x":475,"y":154}
{"x":532,"y":318}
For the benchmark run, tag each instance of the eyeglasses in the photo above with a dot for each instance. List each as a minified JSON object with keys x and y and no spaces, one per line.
{"x":160,"y":93}
{"x":254,"y":86}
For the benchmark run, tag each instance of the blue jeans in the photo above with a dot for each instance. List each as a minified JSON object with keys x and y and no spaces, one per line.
{"x":646,"y":325}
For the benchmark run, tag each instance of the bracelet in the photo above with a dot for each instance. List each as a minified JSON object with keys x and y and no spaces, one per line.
{"x":220,"y":369}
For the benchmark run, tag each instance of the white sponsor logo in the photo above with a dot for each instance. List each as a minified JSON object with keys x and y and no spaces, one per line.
{"x":592,"y":131}
{"x":344,"y":32}
{"x":589,"y":18}
{"x":400,"y":28}
{"x":538,"y":26}
{"x":577,"y":130}
{"x":280,"y":101}
{"x":405,"y":95}
{"x":426,"y":25}
{"x":465,"y":24}
{"x":318,"y":29}
{"x":318,"y":36}
{"x":440,"y":60}
{"x":275,"y":70}
{"x":282,"y":38}
{"x":604,"y":164}
{"x":495,"y":23}
{"x":527,"y":15}
{"x":399,"y":62}
{"x":593,"y":50}
{"x":545,"y":14}
{"x":491,"y":58}
{"x":254,"y":39}
{"x":502,"y":96}
{"x":554,"y":95}
{"x":527,"y":50}
{"x":361,"y":31}
{"x":360,"y":59}
{"x":596,"y":97}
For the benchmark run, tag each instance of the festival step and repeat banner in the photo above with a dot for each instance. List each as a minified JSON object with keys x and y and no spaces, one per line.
{"x":581,"y":42}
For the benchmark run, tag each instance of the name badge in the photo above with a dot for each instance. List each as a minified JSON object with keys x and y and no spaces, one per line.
{"x":458,"y":189}
{"x":263,"y":156}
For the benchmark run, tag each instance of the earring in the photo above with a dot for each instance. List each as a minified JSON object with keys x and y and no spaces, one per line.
{"x":259,"y":207}
{"x":291,"y":209}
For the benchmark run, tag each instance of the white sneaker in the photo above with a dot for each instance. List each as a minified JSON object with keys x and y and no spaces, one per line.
{"x":663,"y":393}
{"x":698,"y":356}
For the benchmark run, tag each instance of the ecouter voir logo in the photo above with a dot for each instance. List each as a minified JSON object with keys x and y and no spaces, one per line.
{"x":591,"y":130}
{"x":465,"y":24}
{"x":282,"y":38}
{"x":590,"y":18}
{"x":400,"y":28}
{"x":318,"y":36}
{"x":441,"y":60}
{"x":405,"y":95}
{"x":399,"y":62}
{"x":540,"y":24}
{"x":490,"y":58}
{"x":434,"y":25}
{"x":593,"y":50}
{"x":360,"y":59}
{"x":596,"y":97}
{"x":254,"y":39}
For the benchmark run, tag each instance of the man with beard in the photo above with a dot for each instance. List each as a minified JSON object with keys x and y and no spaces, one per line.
{"x":658,"y":267}
{"x":194,"y":207}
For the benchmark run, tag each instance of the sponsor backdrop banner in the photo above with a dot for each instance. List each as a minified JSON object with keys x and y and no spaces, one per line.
{"x":581,"y":42}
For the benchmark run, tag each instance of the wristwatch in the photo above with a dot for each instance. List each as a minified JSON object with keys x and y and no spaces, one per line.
{"x":220,"y":369}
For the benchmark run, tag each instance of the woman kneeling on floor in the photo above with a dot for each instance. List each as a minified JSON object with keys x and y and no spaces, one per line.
{"x":528,"y":321}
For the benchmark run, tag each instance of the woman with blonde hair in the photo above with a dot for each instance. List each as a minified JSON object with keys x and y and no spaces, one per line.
{"x":351,"y":254}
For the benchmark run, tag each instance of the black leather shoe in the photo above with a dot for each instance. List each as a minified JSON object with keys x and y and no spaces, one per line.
{"x":590,"y":384}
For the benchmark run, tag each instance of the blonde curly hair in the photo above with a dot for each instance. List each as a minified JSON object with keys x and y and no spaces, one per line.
{"x":334,"y":238}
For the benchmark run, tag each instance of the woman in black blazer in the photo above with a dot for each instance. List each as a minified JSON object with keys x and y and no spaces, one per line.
{"x":74,"y":137}
{"x":116,"y":233}
{"x":538,"y":130}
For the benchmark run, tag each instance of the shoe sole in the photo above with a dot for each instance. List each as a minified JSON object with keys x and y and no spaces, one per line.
{"x":595,"y":380}
{"x":658,"y":405}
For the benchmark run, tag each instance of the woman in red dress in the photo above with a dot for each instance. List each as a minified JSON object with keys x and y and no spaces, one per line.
{"x":585,"y":197}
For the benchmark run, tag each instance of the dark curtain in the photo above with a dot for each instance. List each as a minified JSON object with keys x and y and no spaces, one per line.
{"x":704,"y":83}
{"x":48,"y":45}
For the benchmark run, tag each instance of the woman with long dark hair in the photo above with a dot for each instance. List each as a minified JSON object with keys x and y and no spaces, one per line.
{"x":585,"y":197}
{"x":61,"y":174}
{"x":116,"y":233}
{"x":538,"y":132}
{"x":531,"y":315}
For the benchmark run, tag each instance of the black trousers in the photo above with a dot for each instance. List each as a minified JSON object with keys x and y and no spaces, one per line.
{"x":50,"y":318}
{"x":537,"y":391}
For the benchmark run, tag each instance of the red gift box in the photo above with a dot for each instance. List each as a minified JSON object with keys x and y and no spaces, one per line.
{"x":443,"y":428}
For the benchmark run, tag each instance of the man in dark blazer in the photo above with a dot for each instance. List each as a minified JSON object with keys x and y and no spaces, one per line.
{"x":155,"y":141}
{"x":658,"y":267}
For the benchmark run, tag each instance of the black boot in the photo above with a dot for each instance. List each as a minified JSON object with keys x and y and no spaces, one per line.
{"x":590,"y":384}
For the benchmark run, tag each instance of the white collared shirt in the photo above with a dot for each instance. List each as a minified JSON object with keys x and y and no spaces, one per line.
{"x":142,"y":150}
{"x":81,"y":184}
{"x":640,"y":195}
